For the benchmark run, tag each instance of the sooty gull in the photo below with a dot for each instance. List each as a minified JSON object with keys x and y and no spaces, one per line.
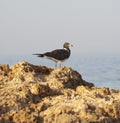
{"x":58,"y":55}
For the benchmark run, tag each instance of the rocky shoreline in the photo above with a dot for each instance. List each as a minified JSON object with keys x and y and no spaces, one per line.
{"x":38,"y":94}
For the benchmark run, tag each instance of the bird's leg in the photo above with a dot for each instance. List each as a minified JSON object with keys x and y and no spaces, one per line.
{"x":60,"y":64}
{"x":55,"y":65}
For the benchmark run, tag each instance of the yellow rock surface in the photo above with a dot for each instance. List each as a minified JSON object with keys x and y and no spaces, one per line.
{"x":38,"y":94}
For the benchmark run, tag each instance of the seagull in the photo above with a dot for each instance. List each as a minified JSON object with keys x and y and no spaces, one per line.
{"x":58,"y":55}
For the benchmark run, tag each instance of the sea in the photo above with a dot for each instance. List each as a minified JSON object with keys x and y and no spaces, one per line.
{"x":101,"y":69}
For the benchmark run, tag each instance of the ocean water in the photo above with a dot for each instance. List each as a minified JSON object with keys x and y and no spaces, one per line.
{"x":102,"y":70}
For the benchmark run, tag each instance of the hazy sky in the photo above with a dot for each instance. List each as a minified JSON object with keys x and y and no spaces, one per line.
{"x":34,"y":26}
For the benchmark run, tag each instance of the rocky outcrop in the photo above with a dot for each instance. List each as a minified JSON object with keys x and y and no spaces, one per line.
{"x":37,"y":94}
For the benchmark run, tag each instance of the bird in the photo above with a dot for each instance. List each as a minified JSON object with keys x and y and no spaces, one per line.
{"x":58,"y":55}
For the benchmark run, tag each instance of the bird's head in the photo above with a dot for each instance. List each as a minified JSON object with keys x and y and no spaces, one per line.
{"x":67,"y":45}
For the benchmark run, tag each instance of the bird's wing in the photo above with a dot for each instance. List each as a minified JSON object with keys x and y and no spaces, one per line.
{"x":59,"y":54}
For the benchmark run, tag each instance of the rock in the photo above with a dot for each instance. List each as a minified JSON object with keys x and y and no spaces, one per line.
{"x":4,"y":72}
{"x":30,"y":93}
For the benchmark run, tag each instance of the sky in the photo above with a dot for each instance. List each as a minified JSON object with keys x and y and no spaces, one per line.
{"x":37,"y":26}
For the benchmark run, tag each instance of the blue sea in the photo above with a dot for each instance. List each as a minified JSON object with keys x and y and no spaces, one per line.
{"x":102,"y":70}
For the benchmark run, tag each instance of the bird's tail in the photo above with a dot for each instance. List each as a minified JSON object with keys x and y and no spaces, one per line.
{"x":39,"y":55}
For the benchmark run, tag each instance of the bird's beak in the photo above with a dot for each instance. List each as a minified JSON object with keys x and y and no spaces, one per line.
{"x":71,"y":45}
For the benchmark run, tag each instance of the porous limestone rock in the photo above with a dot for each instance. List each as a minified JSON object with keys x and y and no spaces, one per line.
{"x":38,"y":94}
